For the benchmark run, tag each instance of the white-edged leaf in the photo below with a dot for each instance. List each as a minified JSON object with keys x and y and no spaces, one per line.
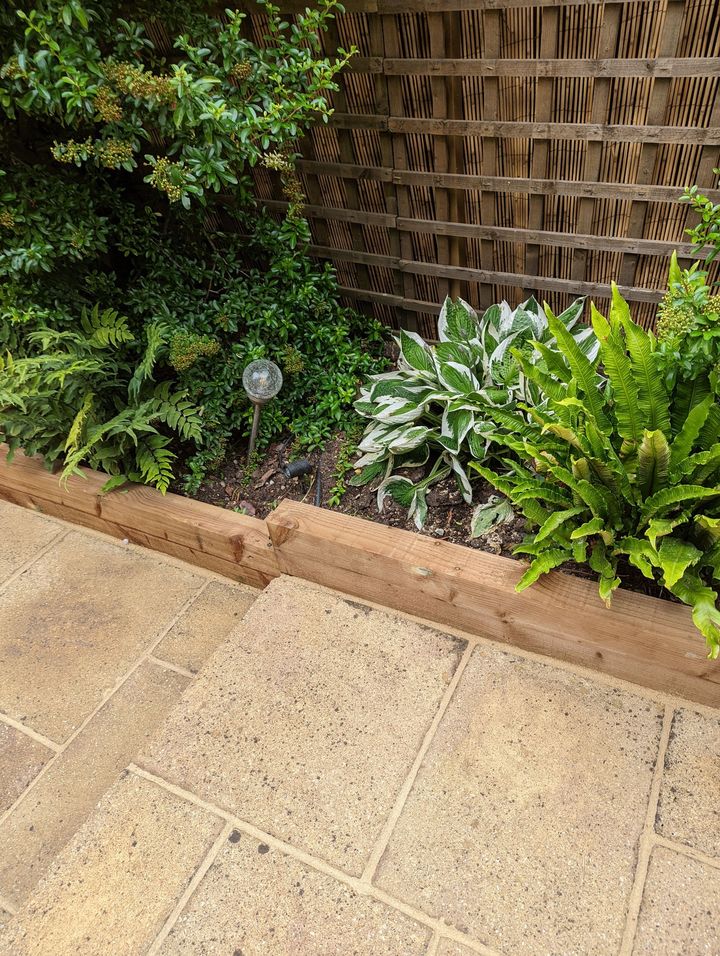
{"x":458,"y":377}
{"x":415,"y":353}
{"x":490,"y":515}
{"x":408,"y":438}
{"x":461,"y":476}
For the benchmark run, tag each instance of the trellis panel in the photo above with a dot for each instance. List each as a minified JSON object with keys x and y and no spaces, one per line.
{"x":493,"y":148}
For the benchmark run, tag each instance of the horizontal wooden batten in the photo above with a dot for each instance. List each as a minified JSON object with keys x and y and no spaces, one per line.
{"x":464,"y":274}
{"x":570,"y":240}
{"x":659,"y":67}
{"x":648,"y":247}
{"x":504,"y":129}
{"x":340,"y":215}
{"x":641,"y":639}
{"x":392,"y":301}
{"x":222,"y":541}
{"x":546,"y":187}
{"x":442,"y":6}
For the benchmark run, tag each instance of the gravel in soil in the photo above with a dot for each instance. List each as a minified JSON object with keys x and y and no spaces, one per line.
{"x":259,"y":490}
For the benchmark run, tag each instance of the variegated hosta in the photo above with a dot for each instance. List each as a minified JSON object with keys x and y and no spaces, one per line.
{"x":618,"y":468}
{"x":433,"y":409}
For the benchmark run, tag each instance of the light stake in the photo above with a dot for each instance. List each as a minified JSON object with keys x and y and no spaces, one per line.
{"x":262,"y":380}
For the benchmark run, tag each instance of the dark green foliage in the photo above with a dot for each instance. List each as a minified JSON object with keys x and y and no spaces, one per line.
{"x":125,"y":317}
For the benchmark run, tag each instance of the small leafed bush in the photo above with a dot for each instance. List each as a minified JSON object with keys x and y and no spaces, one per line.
{"x":434,"y":409}
{"x":138,"y":276}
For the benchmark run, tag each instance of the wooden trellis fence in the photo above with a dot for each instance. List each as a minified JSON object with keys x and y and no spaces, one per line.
{"x":493,"y":148}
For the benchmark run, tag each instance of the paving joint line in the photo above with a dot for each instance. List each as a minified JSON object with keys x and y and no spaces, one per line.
{"x":5,"y":904}
{"x":105,"y":700}
{"x":26,"y":565}
{"x":688,"y":851}
{"x":320,"y":866}
{"x":433,"y":945}
{"x":401,"y":799}
{"x":647,"y":839}
{"x":171,"y":667}
{"x":663,"y":698}
{"x":197,"y":878}
{"x":29,"y":732}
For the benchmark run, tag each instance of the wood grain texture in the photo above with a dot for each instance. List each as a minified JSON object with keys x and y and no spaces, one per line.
{"x":508,"y":129}
{"x":231,"y":544}
{"x":572,"y":287}
{"x":513,"y":184}
{"x":541,"y":67}
{"x":641,"y":639}
{"x":513,"y":127}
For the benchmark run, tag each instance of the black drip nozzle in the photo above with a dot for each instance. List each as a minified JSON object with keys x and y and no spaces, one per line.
{"x":294,"y":469}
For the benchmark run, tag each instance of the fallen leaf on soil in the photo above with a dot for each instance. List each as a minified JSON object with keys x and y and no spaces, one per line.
{"x":268,"y":474}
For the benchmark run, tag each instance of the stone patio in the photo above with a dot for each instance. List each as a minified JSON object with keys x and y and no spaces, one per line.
{"x":336,"y":779}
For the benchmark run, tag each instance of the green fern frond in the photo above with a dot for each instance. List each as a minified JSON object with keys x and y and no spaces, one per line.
{"x":583,"y":370}
{"x":692,"y":590}
{"x":178,"y":412}
{"x":675,"y":556}
{"x":106,"y":328}
{"x":653,"y":463}
{"x":543,"y":563}
{"x":154,"y":461}
{"x":652,"y":396}
{"x":689,"y":432}
{"x":155,"y":336}
{"x":78,"y":425}
{"x":618,"y":368}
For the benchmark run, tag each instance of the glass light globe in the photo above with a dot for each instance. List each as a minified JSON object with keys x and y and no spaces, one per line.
{"x":262,"y":380}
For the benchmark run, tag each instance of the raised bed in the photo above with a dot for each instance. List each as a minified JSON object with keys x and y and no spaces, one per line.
{"x":641,"y":639}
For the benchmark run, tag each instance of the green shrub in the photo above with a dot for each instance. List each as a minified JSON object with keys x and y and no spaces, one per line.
{"x":125,"y":190}
{"x":617,"y":468}
{"x":688,"y":328}
{"x":434,"y":408}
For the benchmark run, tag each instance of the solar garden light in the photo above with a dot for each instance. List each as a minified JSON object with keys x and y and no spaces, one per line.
{"x":262,"y":380}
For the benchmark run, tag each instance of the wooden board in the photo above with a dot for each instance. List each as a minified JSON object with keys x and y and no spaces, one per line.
{"x":511,"y":129}
{"x":235,"y":545}
{"x":546,"y":187}
{"x":544,"y":67}
{"x":641,"y":639}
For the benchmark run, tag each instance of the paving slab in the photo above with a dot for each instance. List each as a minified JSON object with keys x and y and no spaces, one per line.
{"x":22,"y":535}
{"x":21,"y":759}
{"x":42,"y":824}
{"x":206,"y":624}
{"x":689,"y":810}
{"x":679,"y":911}
{"x":115,"y":884}
{"x":523,"y":824}
{"x":255,"y":899}
{"x":448,"y":947}
{"x":309,"y":718}
{"x":75,"y":622}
